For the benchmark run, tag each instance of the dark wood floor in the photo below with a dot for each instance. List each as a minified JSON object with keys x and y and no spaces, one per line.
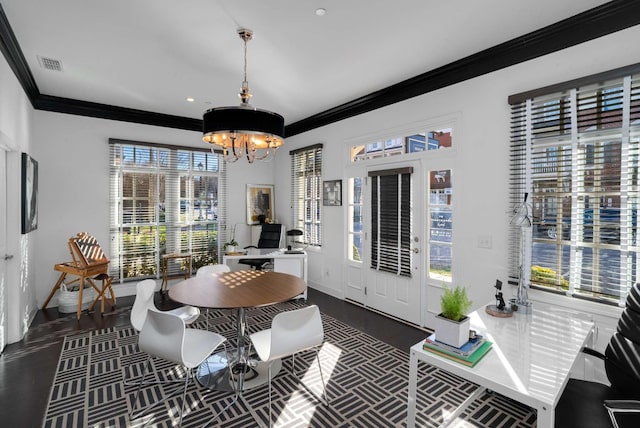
{"x":27,"y":368}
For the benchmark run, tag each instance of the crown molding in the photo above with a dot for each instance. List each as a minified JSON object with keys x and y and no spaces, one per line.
{"x":123,"y":114}
{"x":608,"y":18}
{"x":13,"y":54}
{"x":597,"y":22}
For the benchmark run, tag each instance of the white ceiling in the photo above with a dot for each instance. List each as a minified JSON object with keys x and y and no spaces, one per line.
{"x":152,"y":54}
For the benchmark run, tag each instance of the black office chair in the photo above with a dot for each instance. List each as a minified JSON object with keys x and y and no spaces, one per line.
{"x":270,"y":236}
{"x":587,"y":404}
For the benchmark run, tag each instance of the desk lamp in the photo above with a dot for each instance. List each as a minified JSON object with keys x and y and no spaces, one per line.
{"x":291,"y":234}
{"x":522,"y":220}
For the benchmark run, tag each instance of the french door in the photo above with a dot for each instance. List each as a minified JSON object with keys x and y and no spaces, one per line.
{"x":392,"y":264}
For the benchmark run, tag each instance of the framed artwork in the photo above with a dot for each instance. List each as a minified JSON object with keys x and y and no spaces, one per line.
{"x":29,"y":193}
{"x":260,"y":203}
{"x":332,"y":193}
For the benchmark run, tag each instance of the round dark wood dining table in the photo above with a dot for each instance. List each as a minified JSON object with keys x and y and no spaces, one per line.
{"x":238,"y":290}
{"x":241,"y":289}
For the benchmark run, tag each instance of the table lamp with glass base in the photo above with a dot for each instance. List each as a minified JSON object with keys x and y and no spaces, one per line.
{"x":291,"y":234}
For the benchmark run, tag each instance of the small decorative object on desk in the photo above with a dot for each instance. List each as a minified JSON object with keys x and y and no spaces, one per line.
{"x":452,"y":324}
{"x":500,"y":309}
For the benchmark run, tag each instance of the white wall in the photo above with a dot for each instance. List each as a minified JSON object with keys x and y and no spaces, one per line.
{"x":481,"y":139}
{"x":17,"y":274}
{"x":74,"y":184}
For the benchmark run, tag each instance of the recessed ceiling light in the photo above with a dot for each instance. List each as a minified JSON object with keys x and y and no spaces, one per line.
{"x":190,"y":99}
{"x":321,"y":11}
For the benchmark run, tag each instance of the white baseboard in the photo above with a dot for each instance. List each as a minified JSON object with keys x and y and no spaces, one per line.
{"x":338,"y":294}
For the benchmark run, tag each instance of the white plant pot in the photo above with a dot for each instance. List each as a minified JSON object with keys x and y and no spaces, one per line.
{"x":454,"y":333}
{"x":231,"y":249}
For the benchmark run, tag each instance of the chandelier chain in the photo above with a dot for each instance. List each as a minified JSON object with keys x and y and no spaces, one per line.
{"x":245,"y":92}
{"x":245,"y":60}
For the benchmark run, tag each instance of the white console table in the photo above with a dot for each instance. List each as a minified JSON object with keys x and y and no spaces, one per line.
{"x":293,"y":264}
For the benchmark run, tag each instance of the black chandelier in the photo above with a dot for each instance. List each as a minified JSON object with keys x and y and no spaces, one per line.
{"x":244,"y":131}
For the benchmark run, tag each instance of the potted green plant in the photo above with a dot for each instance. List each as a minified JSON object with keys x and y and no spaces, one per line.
{"x":452,"y":324}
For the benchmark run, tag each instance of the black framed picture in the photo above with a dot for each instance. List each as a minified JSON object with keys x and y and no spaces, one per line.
{"x":29,"y":193}
{"x":332,"y":193}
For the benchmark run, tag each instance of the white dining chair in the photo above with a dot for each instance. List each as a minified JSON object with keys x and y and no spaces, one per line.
{"x":291,"y":332}
{"x":145,"y":291}
{"x":209,"y":269}
{"x":165,"y":335}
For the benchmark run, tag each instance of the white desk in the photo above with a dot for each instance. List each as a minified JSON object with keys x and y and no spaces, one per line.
{"x":529,"y":362}
{"x":293,"y":264}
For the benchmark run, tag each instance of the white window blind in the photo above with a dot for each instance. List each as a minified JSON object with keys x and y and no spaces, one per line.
{"x":391,"y":221}
{"x":575,"y":152}
{"x":306,"y":193}
{"x":163,"y":200}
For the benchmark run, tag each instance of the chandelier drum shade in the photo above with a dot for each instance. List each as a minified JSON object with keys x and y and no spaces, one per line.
{"x":243,"y":131}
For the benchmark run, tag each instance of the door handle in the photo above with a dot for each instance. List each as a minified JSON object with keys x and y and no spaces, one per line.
{"x":416,"y":250}
{"x":8,"y":256}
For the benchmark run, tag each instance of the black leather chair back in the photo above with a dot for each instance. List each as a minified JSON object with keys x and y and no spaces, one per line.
{"x":270,"y":236}
{"x":623,"y":352}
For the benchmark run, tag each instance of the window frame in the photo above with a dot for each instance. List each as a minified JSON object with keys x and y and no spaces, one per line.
{"x":306,"y":194}
{"x":567,"y":142}
{"x":173,"y":216}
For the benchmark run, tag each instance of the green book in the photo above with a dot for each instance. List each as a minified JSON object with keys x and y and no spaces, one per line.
{"x":470,"y":361}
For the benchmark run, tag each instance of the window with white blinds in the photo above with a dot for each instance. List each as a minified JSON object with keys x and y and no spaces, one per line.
{"x":306,"y":193}
{"x":163,"y":200}
{"x":391,"y":221}
{"x":575,"y":153}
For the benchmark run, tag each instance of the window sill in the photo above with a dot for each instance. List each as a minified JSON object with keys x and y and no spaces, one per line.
{"x":575,"y":304}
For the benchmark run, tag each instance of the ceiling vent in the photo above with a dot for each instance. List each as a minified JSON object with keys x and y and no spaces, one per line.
{"x":50,"y":63}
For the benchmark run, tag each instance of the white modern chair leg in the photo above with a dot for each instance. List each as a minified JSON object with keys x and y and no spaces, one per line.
{"x":184,"y":395}
{"x":155,"y":403}
{"x":270,"y":407}
{"x":325,"y":397}
{"x":324,"y":387}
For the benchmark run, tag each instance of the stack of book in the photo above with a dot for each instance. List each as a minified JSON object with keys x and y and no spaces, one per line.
{"x":468,"y":354}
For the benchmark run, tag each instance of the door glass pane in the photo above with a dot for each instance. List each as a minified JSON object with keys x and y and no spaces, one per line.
{"x":391,"y":222}
{"x":439,"y":139}
{"x":440,"y":224}
{"x":354,"y":243}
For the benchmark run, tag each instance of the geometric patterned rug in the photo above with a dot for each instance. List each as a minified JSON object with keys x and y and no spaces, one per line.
{"x":366,"y":383}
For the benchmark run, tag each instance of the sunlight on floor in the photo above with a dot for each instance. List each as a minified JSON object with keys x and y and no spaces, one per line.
{"x":329,"y":356}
